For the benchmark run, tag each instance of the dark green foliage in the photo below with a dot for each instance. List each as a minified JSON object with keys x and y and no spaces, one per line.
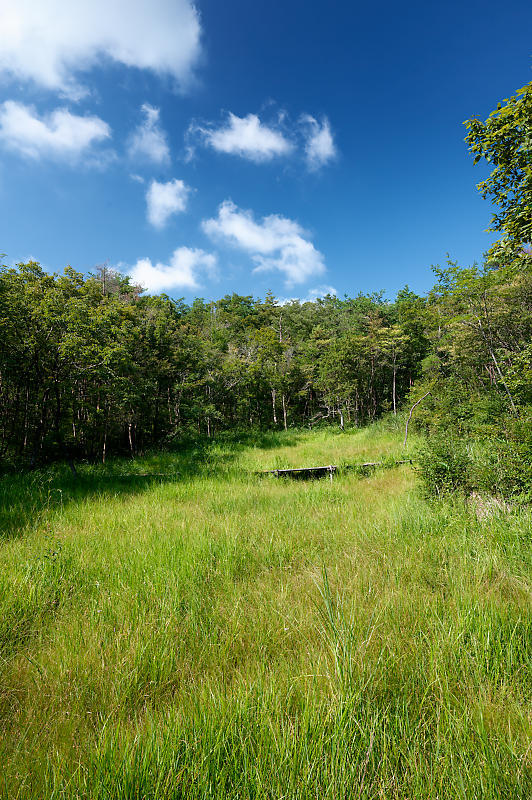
{"x":90,"y":367}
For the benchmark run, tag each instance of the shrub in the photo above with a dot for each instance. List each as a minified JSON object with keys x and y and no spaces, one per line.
{"x":443,"y":464}
{"x":504,"y":466}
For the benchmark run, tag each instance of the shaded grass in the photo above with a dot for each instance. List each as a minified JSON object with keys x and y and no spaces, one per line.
{"x":222,"y":635}
{"x":28,"y":496}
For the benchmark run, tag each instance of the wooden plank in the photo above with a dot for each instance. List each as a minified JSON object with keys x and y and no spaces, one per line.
{"x":140,"y":475}
{"x":330,"y":468}
{"x":378,"y":464}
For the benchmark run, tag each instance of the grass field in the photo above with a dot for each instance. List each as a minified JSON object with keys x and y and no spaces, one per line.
{"x":217,"y":634}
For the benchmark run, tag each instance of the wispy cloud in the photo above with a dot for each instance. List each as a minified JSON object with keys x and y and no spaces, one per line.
{"x":319,"y":143}
{"x":59,"y":134}
{"x":148,"y":141}
{"x":164,"y":200}
{"x":275,"y":243}
{"x":51,"y":42}
{"x":183,"y":271}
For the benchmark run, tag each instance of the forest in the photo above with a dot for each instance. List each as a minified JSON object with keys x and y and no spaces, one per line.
{"x":90,"y":367}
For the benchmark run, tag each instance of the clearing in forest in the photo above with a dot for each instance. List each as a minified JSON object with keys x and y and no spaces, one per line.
{"x":218,"y":634}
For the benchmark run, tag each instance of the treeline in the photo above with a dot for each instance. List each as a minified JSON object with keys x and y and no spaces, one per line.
{"x":90,"y":366}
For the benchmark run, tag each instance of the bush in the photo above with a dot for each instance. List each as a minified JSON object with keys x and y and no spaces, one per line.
{"x":444,"y":465}
{"x":504,"y":466}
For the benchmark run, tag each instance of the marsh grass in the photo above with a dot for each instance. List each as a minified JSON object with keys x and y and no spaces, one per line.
{"x":217,"y":634}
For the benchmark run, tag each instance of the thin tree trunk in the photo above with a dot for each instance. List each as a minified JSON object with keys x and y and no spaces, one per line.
{"x":492,"y":354}
{"x":26,"y":418}
{"x":503,"y":382}
{"x":130,"y":438}
{"x":273,"y":406}
{"x":393,"y":388}
{"x":410,"y":415}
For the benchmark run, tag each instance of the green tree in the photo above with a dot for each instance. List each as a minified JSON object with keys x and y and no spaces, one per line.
{"x":505,"y":140}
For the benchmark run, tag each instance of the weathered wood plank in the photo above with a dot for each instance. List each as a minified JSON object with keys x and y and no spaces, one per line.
{"x":140,"y":475}
{"x":328,"y":469}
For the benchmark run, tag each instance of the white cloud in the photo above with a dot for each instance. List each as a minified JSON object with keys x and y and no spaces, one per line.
{"x":312,"y":295}
{"x":58,"y":134}
{"x":148,"y":140}
{"x":257,"y":141}
{"x":166,"y":199}
{"x":50,"y":41}
{"x":276,"y":243}
{"x":247,"y":137}
{"x":182,"y":272}
{"x":320,"y":291}
{"x":319,"y":144}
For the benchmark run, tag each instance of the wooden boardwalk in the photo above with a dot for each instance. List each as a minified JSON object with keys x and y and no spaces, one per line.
{"x":329,"y":469}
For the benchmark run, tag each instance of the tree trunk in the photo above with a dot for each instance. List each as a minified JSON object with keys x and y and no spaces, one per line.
{"x":488,"y":343}
{"x":410,"y":415}
{"x":273,"y":406}
{"x":284,"y":414}
{"x":503,"y":382}
{"x":393,"y":387}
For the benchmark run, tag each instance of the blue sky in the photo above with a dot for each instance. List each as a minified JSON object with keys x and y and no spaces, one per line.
{"x":244,"y":146}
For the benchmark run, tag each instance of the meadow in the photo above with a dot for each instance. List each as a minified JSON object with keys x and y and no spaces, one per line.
{"x":209,"y":633}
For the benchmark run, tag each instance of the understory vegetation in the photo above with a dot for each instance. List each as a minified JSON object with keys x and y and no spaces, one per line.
{"x":178,"y":627}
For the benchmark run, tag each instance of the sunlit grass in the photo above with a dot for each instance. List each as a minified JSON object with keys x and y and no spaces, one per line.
{"x":220,"y":634}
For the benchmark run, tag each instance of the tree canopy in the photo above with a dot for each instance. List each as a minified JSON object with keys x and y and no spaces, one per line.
{"x":505,"y":140}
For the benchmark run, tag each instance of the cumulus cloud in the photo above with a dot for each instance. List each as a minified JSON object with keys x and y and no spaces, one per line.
{"x":58,"y":134}
{"x":253,"y":139}
{"x":51,"y":42}
{"x":182,"y":272}
{"x":164,"y":200}
{"x":319,"y":143}
{"x":247,"y":137}
{"x":148,"y":141}
{"x":275,"y":243}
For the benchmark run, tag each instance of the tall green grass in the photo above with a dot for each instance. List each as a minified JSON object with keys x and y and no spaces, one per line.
{"x":218,"y":634}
